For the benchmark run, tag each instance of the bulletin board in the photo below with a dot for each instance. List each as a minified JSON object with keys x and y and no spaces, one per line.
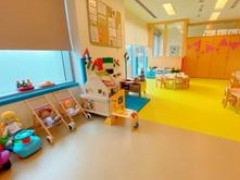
{"x":105,"y":24}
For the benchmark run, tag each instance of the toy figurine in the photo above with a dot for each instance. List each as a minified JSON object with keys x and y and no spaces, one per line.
{"x":47,"y":116}
{"x":71,"y":107}
{"x":142,"y":75}
{"x":24,"y":85}
{"x":21,"y":141}
{"x":18,"y":84}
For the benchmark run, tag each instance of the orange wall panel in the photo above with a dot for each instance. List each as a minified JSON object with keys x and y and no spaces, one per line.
{"x":212,"y":57}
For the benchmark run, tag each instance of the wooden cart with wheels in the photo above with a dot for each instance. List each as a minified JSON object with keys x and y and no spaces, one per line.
{"x":69,"y":106}
{"x":46,"y":116}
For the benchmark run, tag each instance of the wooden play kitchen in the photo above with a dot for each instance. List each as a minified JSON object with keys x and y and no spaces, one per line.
{"x":102,"y":91}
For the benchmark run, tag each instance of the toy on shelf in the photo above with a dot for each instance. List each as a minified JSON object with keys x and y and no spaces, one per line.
{"x":21,"y":141}
{"x":46,"y":84}
{"x":142,"y":75}
{"x":5,"y":162}
{"x":118,"y":110}
{"x":69,"y":105}
{"x":24,"y":85}
{"x":46,"y":115}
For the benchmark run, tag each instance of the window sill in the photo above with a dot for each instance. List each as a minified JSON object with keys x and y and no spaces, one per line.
{"x":38,"y":92}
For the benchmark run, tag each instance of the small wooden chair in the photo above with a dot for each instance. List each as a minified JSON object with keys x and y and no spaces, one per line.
{"x":228,"y":98}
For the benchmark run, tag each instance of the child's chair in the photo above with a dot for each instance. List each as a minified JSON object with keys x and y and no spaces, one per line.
{"x":228,"y":99}
{"x":46,"y":115}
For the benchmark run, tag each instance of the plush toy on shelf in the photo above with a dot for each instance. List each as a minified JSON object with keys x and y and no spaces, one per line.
{"x":24,"y":85}
{"x":21,"y":141}
{"x":47,"y":116}
{"x":46,"y":84}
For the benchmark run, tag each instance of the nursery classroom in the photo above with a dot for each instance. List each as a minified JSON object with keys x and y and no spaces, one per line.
{"x":120,"y":89}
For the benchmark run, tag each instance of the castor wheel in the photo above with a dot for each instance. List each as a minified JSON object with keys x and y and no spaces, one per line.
{"x":71,"y":126}
{"x":88,"y":116}
{"x":49,"y":139}
{"x":136,"y":125}
{"x":7,"y":165}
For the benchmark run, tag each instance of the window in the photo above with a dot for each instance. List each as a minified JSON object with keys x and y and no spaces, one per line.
{"x":174,"y":39}
{"x":167,"y":38}
{"x":214,"y":29}
{"x":38,"y":66}
{"x":138,"y":60}
{"x":158,"y":41}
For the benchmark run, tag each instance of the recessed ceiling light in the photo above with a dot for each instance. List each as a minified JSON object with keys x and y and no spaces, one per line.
{"x":220,"y":4}
{"x":169,"y":9}
{"x":214,"y":16}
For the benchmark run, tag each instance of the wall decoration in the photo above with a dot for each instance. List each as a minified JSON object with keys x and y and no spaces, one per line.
{"x":209,"y":48}
{"x":174,"y":50}
{"x":218,"y":56}
{"x":197,"y":45}
{"x":223,"y":42}
{"x":234,"y":45}
{"x":105,"y":24}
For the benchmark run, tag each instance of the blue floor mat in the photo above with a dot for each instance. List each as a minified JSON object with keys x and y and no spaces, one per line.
{"x":135,"y":103}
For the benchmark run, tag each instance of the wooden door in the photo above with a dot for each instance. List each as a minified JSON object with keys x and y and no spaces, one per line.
{"x":233,"y":63}
{"x":191,"y":60}
{"x":205,"y":57}
{"x":218,"y":65}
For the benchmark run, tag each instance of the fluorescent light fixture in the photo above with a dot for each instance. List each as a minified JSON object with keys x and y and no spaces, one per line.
{"x":169,"y":9}
{"x":220,"y":4}
{"x":214,"y":16}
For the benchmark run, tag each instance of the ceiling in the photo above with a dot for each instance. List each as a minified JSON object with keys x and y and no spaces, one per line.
{"x":184,"y":9}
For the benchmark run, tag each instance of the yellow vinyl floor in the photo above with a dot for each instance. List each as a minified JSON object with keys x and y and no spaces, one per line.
{"x":197,"y":109}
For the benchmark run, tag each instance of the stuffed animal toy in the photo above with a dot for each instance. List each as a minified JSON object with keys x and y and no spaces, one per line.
{"x":71,"y":107}
{"x":47,"y":116}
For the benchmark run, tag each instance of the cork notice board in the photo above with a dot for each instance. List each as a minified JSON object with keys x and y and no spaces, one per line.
{"x":105,"y":25}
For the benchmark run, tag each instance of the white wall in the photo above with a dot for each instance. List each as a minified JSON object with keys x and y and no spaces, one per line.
{"x":136,"y":30}
{"x":78,"y":16}
{"x":165,"y":62}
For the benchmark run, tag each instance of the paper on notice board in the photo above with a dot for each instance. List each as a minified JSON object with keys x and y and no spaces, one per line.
{"x":112,"y":33}
{"x":94,"y":34}
{"x":92,"y":3}
{"x":102,"y":9}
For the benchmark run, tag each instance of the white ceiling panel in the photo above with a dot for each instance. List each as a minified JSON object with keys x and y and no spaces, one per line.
{"x":195,"y":10}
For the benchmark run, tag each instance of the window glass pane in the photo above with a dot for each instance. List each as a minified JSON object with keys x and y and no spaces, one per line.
{"x":158,"y":41}
{"x":218,"y":29}
{"x":38,"y":66}
{"x":174,"y":39}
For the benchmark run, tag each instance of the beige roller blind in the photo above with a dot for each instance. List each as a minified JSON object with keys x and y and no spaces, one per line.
{"x":33,"y":24}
